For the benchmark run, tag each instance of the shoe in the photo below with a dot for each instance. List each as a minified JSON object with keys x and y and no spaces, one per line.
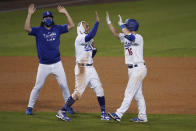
{"x":71,"y":111}
{"x":138,"y":120}
{"x":29,"y":111}
{"x":62,"y":115}
{"x":114,"y":116}
{"x":104,"y":116}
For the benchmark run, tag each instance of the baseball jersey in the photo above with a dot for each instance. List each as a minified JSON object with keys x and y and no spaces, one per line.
{"x":133,"y":50}
{"x":83,"y":50}
{"x":47,"y":42}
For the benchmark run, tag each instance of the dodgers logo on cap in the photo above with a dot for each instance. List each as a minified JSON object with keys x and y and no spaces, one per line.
{"x":47,"y":13}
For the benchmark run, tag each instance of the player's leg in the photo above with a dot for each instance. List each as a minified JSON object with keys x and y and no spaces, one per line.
{"x":80,"y":85}
{"x":97,"y":88}
{"x":96,"y":85}
{"x":60,"y":75}
{"x":132,"y":87}
{"x":81,"y":81}
{"x":139,"y":98}
{"x":42,"y":74}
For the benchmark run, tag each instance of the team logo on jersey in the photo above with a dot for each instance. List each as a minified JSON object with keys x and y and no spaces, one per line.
{"x":128,"y":44}
{"x":50,"y":36}
{"x":135,"y":44}
{"x":87,"y":47}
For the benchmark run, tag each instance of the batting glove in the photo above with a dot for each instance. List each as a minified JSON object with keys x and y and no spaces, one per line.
{"x":120,"y":22}
{"x":108,"y":18}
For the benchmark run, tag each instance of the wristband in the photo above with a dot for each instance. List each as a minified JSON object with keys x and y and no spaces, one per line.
{"x":122,"y":26}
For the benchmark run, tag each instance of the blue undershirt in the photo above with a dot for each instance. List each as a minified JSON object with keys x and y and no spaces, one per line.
{"x":92,"y":33}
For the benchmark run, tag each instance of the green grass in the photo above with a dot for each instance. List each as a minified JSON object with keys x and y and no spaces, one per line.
{"x":168,"y":28}
{"x":46,"y":121}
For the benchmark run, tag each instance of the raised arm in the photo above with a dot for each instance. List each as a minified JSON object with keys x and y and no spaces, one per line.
{"x":122,"y":26}
{"x":31,"y":10}
{"x":94,"y":30}
{"x":111,"y":27}
{"x":127,"y":33}
{"x":62,"y":10}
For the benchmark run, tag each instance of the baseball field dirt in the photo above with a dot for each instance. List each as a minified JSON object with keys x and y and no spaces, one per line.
{"x":168,"y":88}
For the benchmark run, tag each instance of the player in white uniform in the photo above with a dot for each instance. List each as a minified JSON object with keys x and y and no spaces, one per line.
{"x":85,"y":73}
{"x":47,"y":42}
{"x":133,"y":49}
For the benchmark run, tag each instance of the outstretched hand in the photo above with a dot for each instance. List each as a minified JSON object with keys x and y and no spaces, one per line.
{"x":97,"y":16}
{"x":120,"y":22}
{"x":31,"y":9}
{"x":108,"y":18}
{"x":61,"y":9}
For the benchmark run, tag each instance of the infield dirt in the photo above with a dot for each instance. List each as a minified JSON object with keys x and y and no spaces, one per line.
{"x":170,"y":85}
{"x":168,"y":88}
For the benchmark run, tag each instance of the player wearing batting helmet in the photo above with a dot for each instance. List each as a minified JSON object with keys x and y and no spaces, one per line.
{"x":133,"y":50}
{"x":131,"y":24}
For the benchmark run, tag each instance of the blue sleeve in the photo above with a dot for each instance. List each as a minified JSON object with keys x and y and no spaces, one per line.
{"x":92,"y":33}
{"x":63,"y":28}
{"x":34,"y":31}
{"x":130,"y":37}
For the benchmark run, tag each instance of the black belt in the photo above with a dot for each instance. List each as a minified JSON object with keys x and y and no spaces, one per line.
{"x":132,"y":65}
{"x":81,"y":64}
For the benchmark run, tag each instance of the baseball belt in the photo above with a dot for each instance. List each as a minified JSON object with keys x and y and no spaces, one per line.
{"x":132,"y":65}
{"x":82,"y":64}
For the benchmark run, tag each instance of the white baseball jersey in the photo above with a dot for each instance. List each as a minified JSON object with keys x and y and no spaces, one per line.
{"x":134,"y":55}
{"x":133,"y":50}
{"x":83,"y":50}
{"x":89,"y":76}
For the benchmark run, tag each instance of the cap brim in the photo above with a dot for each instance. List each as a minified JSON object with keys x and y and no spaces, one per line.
{"x":47,"y":16}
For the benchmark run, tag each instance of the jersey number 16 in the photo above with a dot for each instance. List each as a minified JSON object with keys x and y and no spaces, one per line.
{"x":130,"y":51}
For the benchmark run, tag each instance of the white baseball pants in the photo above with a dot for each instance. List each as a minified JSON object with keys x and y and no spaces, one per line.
{"x":43,"y":72}
{"x":134,"y":90}
{"x":84,"y":76}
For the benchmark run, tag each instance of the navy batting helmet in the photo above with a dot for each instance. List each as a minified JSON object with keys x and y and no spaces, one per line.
{"x":132,"y":24}
{"x":47,"y":13}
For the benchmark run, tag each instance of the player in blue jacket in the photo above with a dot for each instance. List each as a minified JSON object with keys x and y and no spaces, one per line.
{"x":47,"y":42}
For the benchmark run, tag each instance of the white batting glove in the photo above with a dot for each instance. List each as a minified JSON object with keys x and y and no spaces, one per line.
{"x":120,"y":22}
{"x":108,"y":18}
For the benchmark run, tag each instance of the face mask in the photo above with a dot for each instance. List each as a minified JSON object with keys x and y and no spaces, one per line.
{"x":48,"y":22}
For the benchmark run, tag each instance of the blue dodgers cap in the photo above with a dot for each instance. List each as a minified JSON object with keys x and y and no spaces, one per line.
{"x":47,"y":13}
{"x":132,"y":24}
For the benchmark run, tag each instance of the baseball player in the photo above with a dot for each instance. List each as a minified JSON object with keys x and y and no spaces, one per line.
{"x":85,"y":73}
{"x":47,"y":42}
{"x":133,"y":50}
